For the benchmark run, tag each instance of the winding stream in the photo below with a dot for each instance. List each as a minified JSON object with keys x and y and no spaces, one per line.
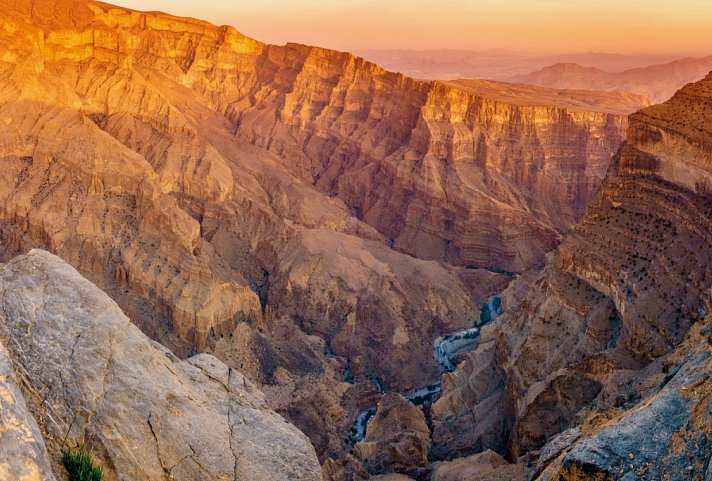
{"x":445,"y":348}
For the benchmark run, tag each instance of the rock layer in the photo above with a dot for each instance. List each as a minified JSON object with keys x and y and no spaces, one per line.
{"x":96,"y":379}
{"x":622,"y":290}
{"x":223,"y":191}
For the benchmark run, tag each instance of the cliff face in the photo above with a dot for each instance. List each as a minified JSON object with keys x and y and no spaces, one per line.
{"x":587,"y":342}
{"x":91,"y":377}
{"x":443,"y":173}
{"x":301,"y":213}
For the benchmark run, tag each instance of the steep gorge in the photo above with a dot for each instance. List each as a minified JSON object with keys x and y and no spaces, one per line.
{"x":299,"y":212}
{"x":610,"y":342}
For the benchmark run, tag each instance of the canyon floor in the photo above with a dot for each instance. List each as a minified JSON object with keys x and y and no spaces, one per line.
{"x":225,"y":259}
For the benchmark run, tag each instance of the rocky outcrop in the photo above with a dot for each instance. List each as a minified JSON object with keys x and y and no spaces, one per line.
{"x":666,"y":436}
{"x":469,"y":415}
{"x":623,"y":290}
{"x":24,"y":455}
{"x":396,"y":440}
{"x":94,"y":378}
{"x":486,"y":466}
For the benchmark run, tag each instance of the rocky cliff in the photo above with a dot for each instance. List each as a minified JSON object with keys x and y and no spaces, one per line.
{"x":92,"y":377}
{"x":611,"y":340}
{"x":301,"y":213}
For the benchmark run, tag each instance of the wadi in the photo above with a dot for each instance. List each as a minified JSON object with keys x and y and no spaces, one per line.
{"x":223,"y":259}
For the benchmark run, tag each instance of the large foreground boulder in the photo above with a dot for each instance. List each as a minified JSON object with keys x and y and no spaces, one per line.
{"x":144,"y":414}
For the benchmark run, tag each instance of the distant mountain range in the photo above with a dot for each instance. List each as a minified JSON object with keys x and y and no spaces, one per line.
{"x":658,"y":82}
{"x":498,"y":64}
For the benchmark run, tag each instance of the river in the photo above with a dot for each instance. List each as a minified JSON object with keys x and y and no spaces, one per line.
{"x":445,"y":348}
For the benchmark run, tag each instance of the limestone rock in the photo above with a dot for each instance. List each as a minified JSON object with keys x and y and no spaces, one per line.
{"x":621,"y":291}
{"x":666,"y":436}
{"x":23,"y":453}
{"x":486,"y":466}
{"x":144,"y":413}
{"x":396,"y":439}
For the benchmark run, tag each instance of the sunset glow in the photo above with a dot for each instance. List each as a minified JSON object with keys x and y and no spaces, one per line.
{"x":541,"y":25}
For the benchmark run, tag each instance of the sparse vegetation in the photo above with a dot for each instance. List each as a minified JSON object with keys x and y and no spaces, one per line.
{"x":80,"y":465}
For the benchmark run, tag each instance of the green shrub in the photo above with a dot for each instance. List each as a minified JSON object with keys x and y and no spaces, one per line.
{"x":80,"y":466}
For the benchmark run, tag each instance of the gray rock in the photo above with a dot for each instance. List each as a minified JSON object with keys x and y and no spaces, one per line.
{"x":23,"y":455}
{"x":666,"y":437}
{"x":557,"y":445}
{"x":144,"y":413}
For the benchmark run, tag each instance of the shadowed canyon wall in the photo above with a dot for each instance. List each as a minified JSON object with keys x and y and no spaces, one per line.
{"x":611,"y":339}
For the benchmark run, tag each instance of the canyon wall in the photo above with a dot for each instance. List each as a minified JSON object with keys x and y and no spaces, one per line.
{"x":594,"y":339}
{"x":315,"y":221}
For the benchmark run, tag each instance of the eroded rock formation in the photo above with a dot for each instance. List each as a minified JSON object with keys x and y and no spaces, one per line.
{"x":666,"y":436}
{"x":92,"y":377}
{"x":224,"y":191}
{"x":583,"y":344}
{"x":396,"y":440}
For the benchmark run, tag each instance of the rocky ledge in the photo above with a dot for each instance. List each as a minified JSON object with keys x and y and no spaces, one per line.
{"x":91,"y":377}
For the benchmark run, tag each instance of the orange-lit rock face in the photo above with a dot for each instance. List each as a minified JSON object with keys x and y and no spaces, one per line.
{"x":444,"y":173}
{"x":209,"y":182}
{"x":140,"y":121}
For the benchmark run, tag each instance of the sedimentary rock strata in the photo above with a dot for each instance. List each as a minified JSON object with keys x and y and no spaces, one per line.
{"x":622,"y":291}
{"x":223,"y":191}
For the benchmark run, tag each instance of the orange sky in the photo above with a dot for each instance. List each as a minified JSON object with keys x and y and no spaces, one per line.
{"x":621,"y":26}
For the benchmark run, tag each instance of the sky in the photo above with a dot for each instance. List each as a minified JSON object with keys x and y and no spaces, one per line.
{"x":616,"y":26}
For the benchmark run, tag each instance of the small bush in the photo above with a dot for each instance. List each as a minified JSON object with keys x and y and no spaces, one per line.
{"x":80,"y":466}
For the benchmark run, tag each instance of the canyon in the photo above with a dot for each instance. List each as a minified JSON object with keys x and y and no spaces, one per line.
{"x":333,"y":216}
{"x":311,"y":244}
{"x":609,"y":344}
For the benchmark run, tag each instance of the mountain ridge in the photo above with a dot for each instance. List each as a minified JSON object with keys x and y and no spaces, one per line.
{"x":659,"y":82}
